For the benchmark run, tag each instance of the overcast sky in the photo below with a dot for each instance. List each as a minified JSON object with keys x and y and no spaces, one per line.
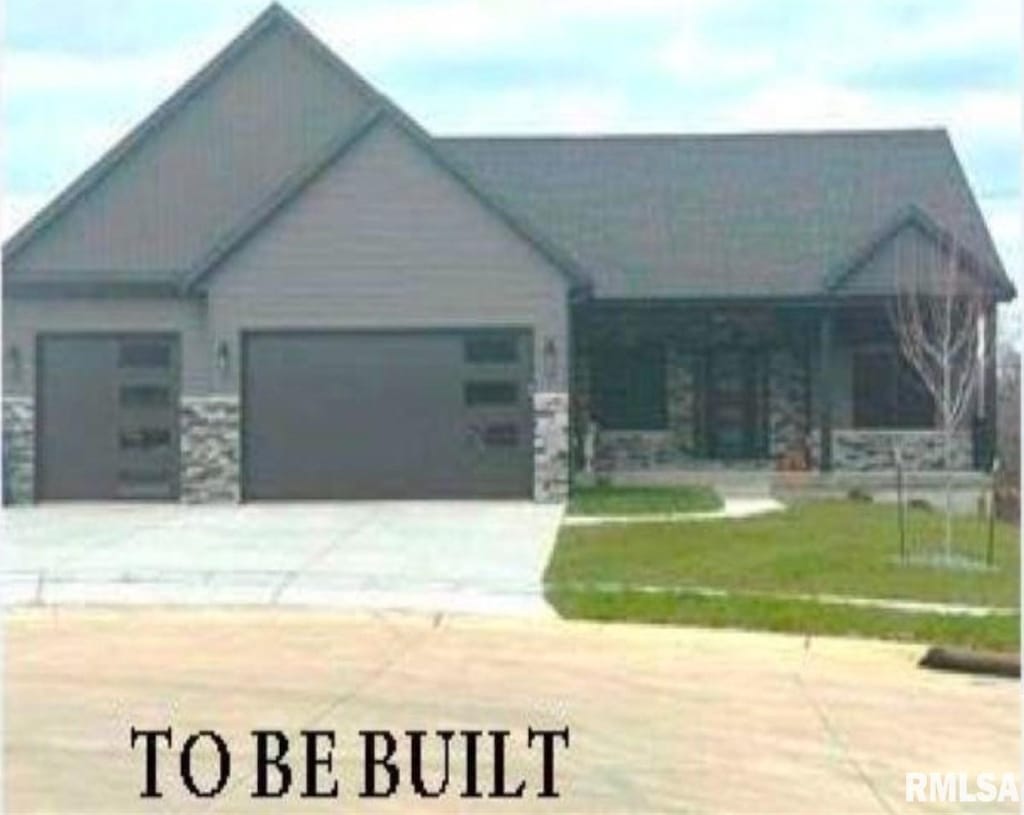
{"x":77,"y":74}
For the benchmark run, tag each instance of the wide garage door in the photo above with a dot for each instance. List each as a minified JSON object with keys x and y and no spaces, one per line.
{"x":441,"y":414}
{"x":107,"y":416}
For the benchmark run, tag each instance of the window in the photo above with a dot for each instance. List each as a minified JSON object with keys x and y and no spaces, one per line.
{"x":629,"y":387}
{"x":145,"y":396}
{"x":888,"y":392}
{"x":145,"y":438}
{"x":144,"y":354}
{"x":491,"y":348}
{"x":490,"y":393}
{"x":501,"y":435}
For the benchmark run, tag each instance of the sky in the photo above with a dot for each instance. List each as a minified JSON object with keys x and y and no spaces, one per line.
{"x":78,"y":74}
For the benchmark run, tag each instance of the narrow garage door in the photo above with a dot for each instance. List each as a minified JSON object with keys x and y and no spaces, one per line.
{"x":387,"y":415}
{"x":107,"y":416}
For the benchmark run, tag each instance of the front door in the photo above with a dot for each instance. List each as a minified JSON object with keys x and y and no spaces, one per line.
{"x":737,"y":405}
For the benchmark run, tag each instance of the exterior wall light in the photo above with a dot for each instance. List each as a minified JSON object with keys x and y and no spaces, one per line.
{"x":223,"y":358}
{"x":550,"y":363}
{"x":15,"y":363}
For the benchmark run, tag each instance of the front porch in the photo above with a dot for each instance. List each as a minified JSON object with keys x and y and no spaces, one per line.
{"x":665,"y":389}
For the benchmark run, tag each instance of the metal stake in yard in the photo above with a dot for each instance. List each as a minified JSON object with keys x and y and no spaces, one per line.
{"x":990,"y":553}
{"x":901,"y":520}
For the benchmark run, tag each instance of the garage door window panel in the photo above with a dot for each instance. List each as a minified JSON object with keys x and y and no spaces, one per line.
{"x":503,"y":435}
{"x":146,"y":438}
{"x":490,"y":393}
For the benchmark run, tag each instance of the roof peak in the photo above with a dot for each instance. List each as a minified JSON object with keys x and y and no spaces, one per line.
{"x":274,"y":18}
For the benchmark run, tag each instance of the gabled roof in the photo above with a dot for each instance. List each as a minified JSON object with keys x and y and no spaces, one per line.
{"x":912,"y":218}
{"x":293,"y":186}
{"x":700,"y":216}
{"x":160,"y":197}
{"x":216,"y":161}
{"x":707,"y":216}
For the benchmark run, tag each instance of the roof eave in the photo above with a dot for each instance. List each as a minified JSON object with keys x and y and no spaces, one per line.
{"x":71,"y":288}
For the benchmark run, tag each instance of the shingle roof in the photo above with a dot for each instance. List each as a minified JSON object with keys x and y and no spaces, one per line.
{"x":727,"y":215}
{"x":640,"y":216}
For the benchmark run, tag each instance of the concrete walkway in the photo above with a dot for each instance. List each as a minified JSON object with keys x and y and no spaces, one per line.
{"x":662,"y":720}
{"x":733,"y":507}
{"x":449,"y":556}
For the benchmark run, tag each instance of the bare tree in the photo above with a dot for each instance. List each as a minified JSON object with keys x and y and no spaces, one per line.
{"x":938,"y":319}
{"x":1008,"y":434}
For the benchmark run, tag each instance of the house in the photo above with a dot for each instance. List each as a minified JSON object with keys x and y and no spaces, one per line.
{"x":279,"y":285}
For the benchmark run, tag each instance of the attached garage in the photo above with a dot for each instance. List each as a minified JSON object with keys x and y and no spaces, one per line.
{"x":106,"y":425}
{"x":354,"y":316}
{"x":387,"y":414}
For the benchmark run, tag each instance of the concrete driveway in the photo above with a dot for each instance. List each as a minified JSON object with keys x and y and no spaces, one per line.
{"x":482,"y":557}
{"x":662,"y":719}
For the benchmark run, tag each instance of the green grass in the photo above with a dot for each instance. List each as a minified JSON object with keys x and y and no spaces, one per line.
{"x":844,"y":548}
{"x":794,"y":616}
{"x":618,"y":500}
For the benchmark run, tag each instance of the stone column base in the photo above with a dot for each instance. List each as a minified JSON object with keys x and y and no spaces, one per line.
{"x":210,"y":440}
{"x":19,"y":453}
{"x":550,"y":446}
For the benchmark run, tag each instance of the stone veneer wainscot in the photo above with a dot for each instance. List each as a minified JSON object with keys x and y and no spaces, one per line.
{"x":920,"y":449}
{"x":210,"y":438}
{"x":550,"y":446}
{"x":19,"y":453}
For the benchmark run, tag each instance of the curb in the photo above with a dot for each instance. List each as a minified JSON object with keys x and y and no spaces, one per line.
{"x":973,"y":662}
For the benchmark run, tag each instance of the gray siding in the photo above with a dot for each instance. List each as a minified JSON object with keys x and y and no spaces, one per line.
{"x":208,"y":164}
{"x":910,"y":253}
{"x":25,"y":319}
{"x":387,"y":239}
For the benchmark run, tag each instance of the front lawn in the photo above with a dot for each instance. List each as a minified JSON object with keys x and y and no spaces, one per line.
{"x":795,"y":616}
{"x":624,"y":500}
{"x":838,"y":547}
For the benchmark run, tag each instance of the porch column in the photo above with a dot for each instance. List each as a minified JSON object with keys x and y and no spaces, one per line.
{"x":989,"y":395}
{"x":826,"y":329}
